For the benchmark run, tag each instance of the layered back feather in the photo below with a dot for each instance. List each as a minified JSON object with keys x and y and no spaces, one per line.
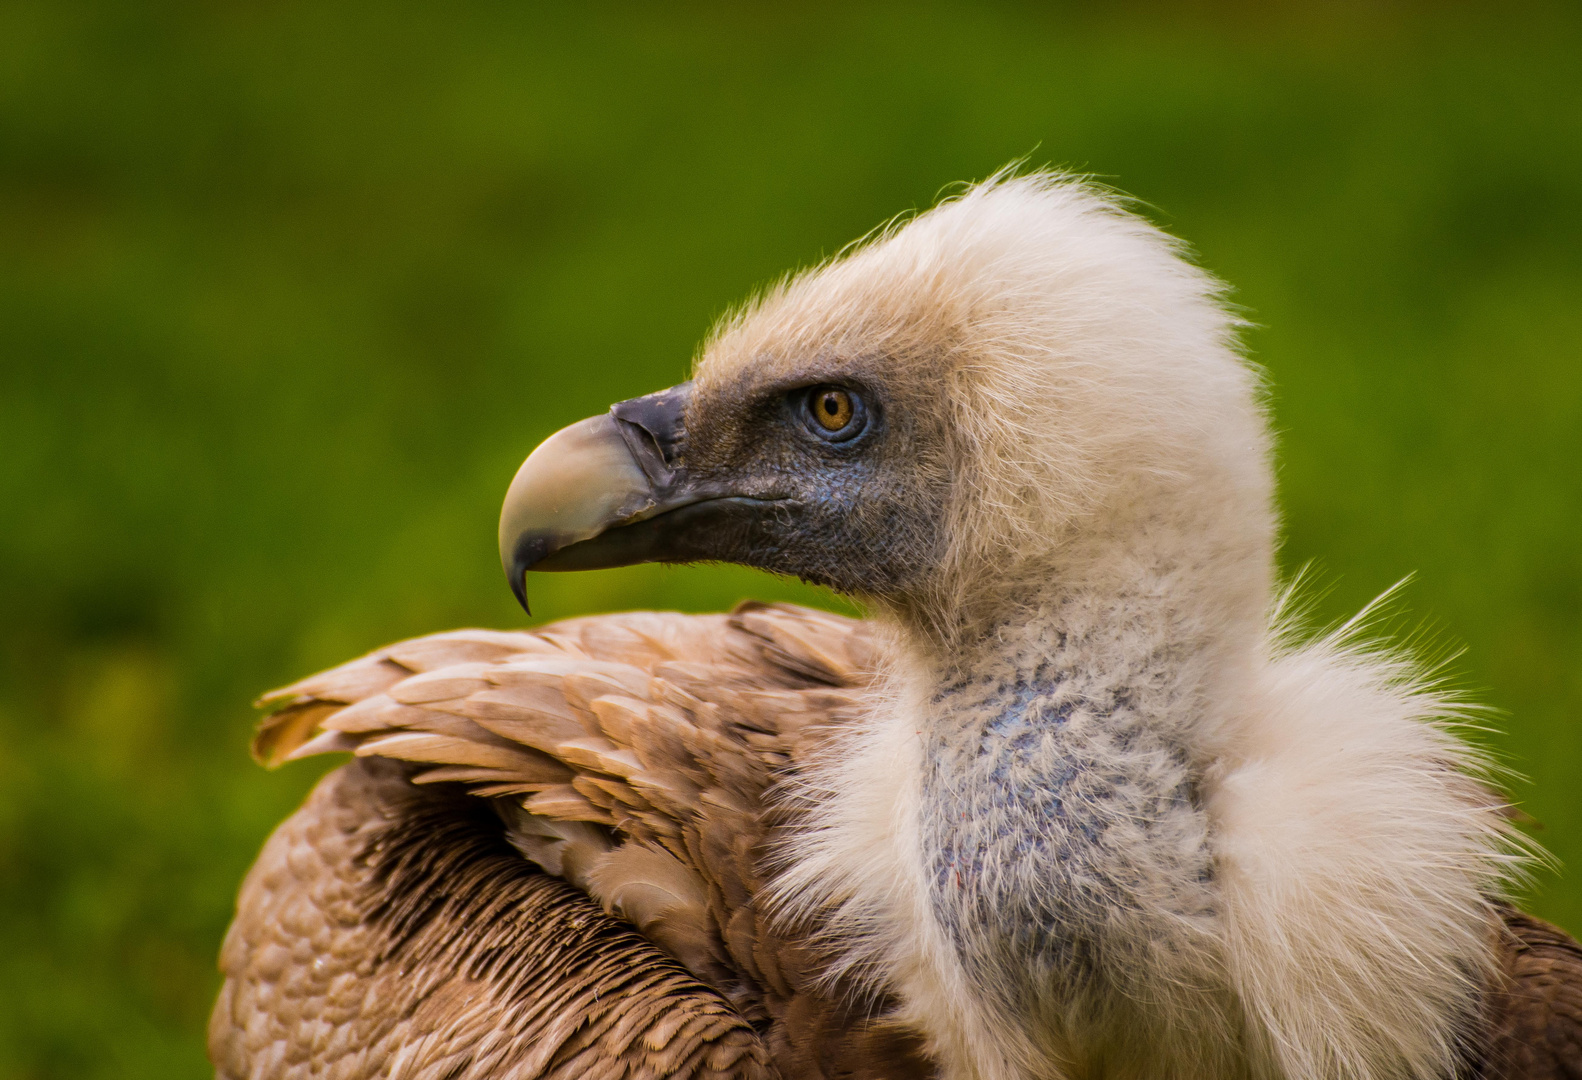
{"x":634,"y":757}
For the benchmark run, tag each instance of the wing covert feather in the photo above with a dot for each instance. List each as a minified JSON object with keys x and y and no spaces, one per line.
{"x":637,"y":757}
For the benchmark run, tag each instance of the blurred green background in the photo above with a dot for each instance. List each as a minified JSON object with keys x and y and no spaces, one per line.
{"x":288,"y":289}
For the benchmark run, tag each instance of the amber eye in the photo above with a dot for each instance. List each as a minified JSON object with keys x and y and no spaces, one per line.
{"x":832,"y":408}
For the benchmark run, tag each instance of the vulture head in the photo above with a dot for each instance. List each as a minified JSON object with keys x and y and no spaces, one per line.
{"x":1021,"y":387}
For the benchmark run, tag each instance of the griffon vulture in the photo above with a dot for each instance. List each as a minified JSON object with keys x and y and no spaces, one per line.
{"x":1072,"y":803}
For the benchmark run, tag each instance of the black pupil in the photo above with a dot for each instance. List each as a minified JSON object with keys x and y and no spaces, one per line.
{"x":831,"y":405}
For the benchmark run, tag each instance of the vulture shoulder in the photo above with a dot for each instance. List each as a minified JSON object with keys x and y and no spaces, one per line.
{"x":1535,"y":1018}
{"x":555,"y":862}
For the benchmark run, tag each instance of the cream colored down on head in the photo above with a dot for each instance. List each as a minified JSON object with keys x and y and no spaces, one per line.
{"x":1082,"y":374}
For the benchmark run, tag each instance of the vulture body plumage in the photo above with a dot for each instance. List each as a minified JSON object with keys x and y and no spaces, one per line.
{"x":1073,"y":802}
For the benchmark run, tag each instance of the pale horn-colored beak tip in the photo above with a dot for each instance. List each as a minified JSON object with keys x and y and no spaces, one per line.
{"x":579,"y":482}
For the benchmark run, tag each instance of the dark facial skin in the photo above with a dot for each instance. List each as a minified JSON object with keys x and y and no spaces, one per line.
{"x":820,"y":477}
{"x":843,"y":508}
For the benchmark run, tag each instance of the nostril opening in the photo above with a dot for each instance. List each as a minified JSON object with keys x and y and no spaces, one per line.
{"x":654,"y":429}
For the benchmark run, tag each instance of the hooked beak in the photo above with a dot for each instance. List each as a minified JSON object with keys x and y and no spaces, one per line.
{"x":612,"y":490}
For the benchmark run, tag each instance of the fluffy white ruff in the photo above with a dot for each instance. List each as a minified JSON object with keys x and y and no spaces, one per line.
{"x":1356,"y":858}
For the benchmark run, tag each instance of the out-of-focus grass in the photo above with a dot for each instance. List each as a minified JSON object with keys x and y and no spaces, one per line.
{"x":287,"y":290}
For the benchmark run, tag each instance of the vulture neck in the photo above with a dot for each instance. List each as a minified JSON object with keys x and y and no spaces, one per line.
{"x":1064,"y":740}
{"x":1185,"y":608}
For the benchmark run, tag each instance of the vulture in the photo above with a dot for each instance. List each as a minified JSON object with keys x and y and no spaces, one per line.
{"x":1073,"y":802}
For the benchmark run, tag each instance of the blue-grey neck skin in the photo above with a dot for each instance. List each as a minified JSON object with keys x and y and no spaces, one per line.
{"x":1068,"y":851}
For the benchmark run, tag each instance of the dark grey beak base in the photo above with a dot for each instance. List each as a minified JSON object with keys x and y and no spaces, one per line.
{"x":611,"y":490}
{"x":654,"y":428}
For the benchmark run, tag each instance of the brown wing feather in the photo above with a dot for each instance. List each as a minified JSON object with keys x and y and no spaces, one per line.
{"x":1535,"y":1019}
{"x":390,"y":929}
{"x":636,"y":756}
